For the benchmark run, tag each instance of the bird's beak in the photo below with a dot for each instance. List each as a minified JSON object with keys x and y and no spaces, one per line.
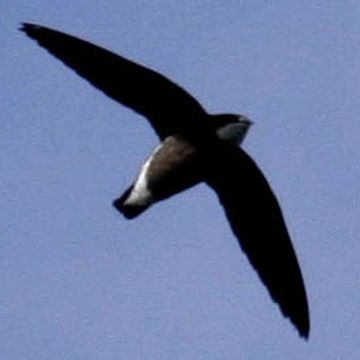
{"x":245,"y":120}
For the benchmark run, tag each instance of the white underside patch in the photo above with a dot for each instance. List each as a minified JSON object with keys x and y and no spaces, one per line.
{"x":140,"y":194}
{"x":233,"y":133}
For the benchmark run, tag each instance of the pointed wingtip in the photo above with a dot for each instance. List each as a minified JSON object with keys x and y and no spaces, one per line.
{"x":29,"y":28}
{"x":299,"y":316}
{"x":25,"y":26}
{"x":302,"y":325}
{"x":305,"y":331}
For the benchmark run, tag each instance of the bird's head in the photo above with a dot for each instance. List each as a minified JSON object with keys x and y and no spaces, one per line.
{"x":231,"y":127}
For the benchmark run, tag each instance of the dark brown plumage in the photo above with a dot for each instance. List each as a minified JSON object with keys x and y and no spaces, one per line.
{"x":249,"y":203}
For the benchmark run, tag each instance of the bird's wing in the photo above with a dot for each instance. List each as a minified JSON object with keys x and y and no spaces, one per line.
{"x":168,"y":107}
{"x":257,"y":221}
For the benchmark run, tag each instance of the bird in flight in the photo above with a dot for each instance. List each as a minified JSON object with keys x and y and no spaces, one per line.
{"x":195,"y":147}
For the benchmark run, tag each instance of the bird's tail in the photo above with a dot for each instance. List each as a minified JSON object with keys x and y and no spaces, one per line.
{"x":129,"y":211}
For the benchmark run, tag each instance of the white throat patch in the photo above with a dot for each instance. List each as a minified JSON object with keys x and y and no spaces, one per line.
{"x":233,"y":133}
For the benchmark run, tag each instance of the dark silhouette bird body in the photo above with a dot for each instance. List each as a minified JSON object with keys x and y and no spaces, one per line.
{"x":195,"y":147}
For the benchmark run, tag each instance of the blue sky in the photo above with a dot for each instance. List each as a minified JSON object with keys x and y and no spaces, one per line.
{"x":80,"y":282}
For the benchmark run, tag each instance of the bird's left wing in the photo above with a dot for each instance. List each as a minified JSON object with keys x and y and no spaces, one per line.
{"x":257,"y":221}
{"x":169,"y":108}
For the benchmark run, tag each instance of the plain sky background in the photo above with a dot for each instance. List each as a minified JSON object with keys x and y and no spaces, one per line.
{"x":78,"y":281}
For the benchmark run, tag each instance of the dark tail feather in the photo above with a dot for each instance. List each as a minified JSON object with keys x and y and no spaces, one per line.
{"x":128,"y":210}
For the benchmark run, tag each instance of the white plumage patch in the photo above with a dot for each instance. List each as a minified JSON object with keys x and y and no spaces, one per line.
{"x":140,"y":194}
{"x":233,"y":133}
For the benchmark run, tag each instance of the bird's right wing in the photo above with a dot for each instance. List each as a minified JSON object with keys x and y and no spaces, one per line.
{"x":257,"y":221}
{"x":169,"y":108}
